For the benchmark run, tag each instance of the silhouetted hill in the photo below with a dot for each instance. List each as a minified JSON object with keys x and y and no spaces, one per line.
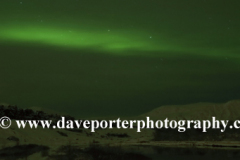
{"x":229,"y":111}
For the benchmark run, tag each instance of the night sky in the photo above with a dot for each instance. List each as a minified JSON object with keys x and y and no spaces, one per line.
{"x":118,"y":57}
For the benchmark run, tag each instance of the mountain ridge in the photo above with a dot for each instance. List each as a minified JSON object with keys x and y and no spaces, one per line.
{"x":197,"y":111}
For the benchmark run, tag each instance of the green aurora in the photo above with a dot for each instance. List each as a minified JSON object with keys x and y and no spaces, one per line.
{"x":116,"y":42}
{"x":118,"y":57}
